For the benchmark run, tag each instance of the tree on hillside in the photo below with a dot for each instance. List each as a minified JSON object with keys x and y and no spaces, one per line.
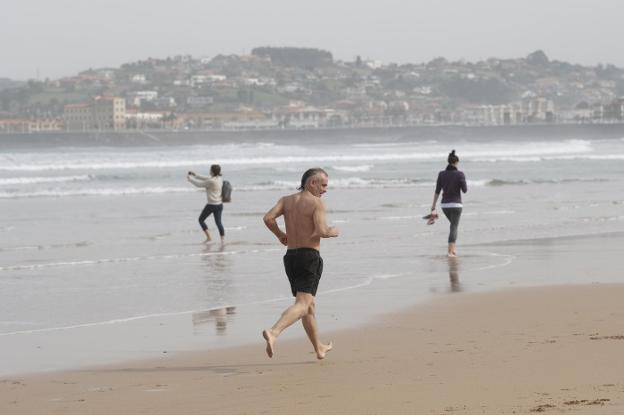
{"x":537,"y":58}
{"x":299,"y":57}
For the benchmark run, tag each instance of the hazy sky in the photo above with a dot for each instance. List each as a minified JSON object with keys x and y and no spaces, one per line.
{"x":55,"y":38}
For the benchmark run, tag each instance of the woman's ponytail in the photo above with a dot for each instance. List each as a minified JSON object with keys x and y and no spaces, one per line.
{"x":452,"y":157}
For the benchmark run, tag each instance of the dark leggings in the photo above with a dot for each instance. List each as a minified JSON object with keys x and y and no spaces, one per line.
{"x":453,"y":215}
{"x":217,"y":210}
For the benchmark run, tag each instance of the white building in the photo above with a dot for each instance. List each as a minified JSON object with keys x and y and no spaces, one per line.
{"x":198,"y":80}
{"x":136,"y":98}
{"x":138,"y":78}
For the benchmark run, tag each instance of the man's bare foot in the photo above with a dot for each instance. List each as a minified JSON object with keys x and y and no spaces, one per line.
{"x":270,"y":341}
{"x":322,"y":351}
{"x":451,"y":255}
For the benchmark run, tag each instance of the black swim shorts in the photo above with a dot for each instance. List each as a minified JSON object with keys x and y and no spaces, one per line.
{"x":304,"y":267}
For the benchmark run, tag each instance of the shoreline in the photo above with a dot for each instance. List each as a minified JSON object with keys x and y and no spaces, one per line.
{"x":544,"y":349}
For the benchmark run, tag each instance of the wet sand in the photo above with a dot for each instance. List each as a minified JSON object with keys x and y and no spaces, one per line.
{"x":527,"y":350}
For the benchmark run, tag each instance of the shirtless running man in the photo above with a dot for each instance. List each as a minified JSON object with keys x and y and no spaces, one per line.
{"x":304,"y":217}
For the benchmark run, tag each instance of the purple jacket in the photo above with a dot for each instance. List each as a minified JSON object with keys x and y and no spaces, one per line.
{"x":452,"y":181}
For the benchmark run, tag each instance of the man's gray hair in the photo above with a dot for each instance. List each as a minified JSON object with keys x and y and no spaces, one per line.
{"x":310,"y":173}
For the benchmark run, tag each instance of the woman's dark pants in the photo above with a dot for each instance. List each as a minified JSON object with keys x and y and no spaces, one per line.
{"x":453,"y":215}
{"x":217,"y":210}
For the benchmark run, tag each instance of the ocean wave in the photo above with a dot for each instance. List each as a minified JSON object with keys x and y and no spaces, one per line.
{"x":344,"y":183}
{"x":296,"y":155}
{"x":36,"y":180}
{"x":394,"y":144}
{"x":274,"y":160}
{"x":501,"y":182}
{"x":288,"y":169}
{"x":534,"y":159}
{"x":123,"y":191}
{"x":358,"y":182}
{"x":360,"y":168}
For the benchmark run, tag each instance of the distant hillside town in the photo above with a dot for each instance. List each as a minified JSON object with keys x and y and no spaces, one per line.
{"x":302,"y":88}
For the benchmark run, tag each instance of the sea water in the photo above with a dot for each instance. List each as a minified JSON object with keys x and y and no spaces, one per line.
{"x":100,"y":236}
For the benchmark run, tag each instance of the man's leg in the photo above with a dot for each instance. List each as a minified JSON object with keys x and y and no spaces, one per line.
{"x":309,"y":324}
{"x":303,"y":302}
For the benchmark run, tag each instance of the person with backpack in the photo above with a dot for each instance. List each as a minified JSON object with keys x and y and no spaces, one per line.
{"x":215,"y":186}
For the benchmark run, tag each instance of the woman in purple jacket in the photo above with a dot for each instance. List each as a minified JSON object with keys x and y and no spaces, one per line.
{"x":451,"y":182}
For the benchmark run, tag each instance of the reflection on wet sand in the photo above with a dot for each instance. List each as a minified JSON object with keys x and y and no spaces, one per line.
{"x":453,"y":268}
{"x":216,"y":262}
{"x":220,"y":316}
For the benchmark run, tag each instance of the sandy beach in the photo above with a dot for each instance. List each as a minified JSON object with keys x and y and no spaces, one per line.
{"x":548,"y":349}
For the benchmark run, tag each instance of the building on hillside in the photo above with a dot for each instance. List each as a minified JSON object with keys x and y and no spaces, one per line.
{"x":39,"y":125}
{"x":137,"y":98}
{"x":310,"y":117}
{"x":145,"y":119}
{"x":101,"y":113}
{"x":305,"y":117}
{"x":138,"y":78}
{"x":35,"y":125}
{"x":199,"y":80}
{"x":78,"y":117}
{"x":539,"y":110}
{"x":506,"y":114}
{"x":238,"y":120}
{"x":109,"y":113}
{"x":13,"y":125}
{"x":533,"y":110}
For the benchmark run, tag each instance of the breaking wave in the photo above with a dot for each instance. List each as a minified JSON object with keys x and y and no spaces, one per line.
{"x":36,"y":180}
{"x":284,"y":155}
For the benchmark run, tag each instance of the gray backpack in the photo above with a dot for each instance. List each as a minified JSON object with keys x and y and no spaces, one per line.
{"x":226,"y":192}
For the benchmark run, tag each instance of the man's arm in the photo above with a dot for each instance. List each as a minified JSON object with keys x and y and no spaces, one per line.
{"x":270,"y":220}
{"x":320,"y":226}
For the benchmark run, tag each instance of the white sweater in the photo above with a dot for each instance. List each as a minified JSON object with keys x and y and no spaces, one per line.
{"x":212,"y":184}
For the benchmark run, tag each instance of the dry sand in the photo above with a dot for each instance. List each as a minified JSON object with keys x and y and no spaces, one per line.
{"x":551,"y":349}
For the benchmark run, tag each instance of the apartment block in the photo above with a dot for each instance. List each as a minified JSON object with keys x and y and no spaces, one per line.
{"x":101,"y":113}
